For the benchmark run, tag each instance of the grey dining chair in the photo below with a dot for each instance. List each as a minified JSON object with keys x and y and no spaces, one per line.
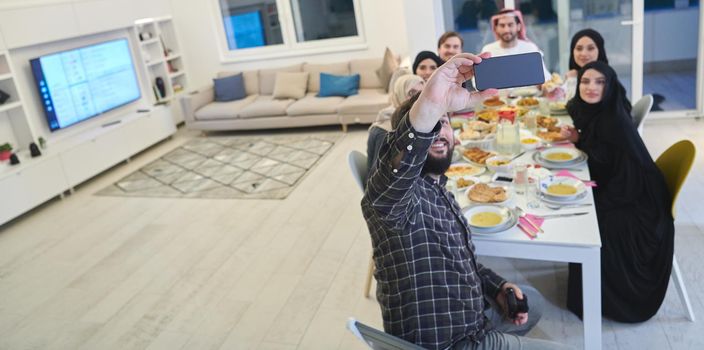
{"x":378,"y":340}
{"x":640,"y":111}
{"x":358,"y":165}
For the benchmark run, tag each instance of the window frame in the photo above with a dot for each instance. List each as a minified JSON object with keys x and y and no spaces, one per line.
{"x":290,"y":46}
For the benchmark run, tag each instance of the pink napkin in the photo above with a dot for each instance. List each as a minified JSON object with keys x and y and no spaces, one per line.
{"x":524,"y":222}
{"x":567,"y":173}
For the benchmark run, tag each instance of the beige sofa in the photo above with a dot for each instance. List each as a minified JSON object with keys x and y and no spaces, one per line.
{"x":259,"y":110}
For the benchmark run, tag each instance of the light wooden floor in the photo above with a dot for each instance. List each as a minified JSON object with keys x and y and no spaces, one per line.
{"x":93,"y":272}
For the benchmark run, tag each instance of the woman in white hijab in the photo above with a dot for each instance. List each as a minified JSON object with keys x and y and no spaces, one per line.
{"x":403,"y":85}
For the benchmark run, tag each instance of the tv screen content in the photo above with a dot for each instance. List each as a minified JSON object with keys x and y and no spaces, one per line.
{"x":82,"y":83}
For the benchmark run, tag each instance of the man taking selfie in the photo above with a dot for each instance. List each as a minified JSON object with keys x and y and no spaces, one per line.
{"x":432,"y":290}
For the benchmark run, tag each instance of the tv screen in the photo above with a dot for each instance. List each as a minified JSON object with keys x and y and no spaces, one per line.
{"x":79,"y":84}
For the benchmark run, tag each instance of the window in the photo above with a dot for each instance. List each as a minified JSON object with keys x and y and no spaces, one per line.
{"x":314,"y":21}
{"x":278,"y":28}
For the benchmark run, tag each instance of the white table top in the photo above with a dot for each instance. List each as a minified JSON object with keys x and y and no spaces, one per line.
{"x":572,"y":231}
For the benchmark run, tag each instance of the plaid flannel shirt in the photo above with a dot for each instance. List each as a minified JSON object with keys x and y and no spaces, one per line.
{"x":430,"y":287}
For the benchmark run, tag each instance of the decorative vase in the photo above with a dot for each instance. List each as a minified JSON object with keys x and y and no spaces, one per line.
{"x":161,"y":87}
{"x":5,"y":155}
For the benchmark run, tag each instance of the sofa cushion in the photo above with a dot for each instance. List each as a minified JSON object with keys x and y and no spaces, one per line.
{"x":342,"y":68}
{"x":251,"y":80}
{"x":366,"y":68}
{"x":388,"y":66}
{"x":223,"y":110}
{"x":338,"y":85}
{"x":311,"y":105}
{"x":229,"y":88}
{"x":265,"y":106}
{"x":290,"y":85}
{"x":368,"y":101}
{"x":267,"y":78}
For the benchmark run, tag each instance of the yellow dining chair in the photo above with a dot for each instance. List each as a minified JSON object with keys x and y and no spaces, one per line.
{"x":675,"y":164}
{"x":358,"y":165}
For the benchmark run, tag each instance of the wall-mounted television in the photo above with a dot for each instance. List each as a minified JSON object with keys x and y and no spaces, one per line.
{"x":79,"y":84}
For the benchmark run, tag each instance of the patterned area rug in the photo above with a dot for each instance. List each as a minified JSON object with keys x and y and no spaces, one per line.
{"x":261,"y":167}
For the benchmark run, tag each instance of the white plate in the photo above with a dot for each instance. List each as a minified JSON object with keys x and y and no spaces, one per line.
{"x":525,"y":91}
{"x":569,"y":165}
{"x":477,"y":170}
{"x":564,"y":202}
{"x":508,"y":218}
{"x":548,"y":181}
{"x":574,"y":153}
{"x":506,"y":188}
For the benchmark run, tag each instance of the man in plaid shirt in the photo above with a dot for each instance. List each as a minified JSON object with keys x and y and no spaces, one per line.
{"x":431,"y":288}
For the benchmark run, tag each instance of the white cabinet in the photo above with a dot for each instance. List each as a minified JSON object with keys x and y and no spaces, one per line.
{"x":30,"y":185}
{"x":65,"y":165}
{"x":105,"y":147}
{"x":14,"y":126}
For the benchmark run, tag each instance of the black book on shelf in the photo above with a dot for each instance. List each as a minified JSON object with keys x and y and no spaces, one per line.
{"x":4,"y":96}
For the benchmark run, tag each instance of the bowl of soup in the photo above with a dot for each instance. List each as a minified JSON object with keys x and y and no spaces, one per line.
{"x":560,"y":154}
{"x":486,"y":216}
{"x":499,"y":164}
{"x":530,"y":143}
{"x":562,"y":187}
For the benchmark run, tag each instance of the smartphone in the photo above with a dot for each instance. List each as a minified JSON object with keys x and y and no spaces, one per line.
{"x":503,"y":72}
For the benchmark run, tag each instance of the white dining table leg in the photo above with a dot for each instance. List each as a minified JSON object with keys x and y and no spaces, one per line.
{"x":591,"y":289}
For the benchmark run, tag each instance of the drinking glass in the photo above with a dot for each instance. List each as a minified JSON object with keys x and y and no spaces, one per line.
{"x":520,"y":178}
{"x":533,"y":196}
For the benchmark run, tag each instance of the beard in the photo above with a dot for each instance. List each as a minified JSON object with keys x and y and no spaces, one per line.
{"x":438,"y":165}
{"x":508,"y":37}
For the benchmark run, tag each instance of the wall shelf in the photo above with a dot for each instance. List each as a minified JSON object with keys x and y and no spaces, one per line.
{"x":165,"y":60}
{"x":150,"y":41}
{"x":10,"y":105}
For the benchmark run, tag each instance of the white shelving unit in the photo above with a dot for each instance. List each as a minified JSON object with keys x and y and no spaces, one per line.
{"x":14,"y":126}
{"x":72,"y":160}
{"x":162,"y":59}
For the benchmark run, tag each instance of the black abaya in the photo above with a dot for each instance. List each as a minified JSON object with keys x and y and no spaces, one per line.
{"x":633,"y":208}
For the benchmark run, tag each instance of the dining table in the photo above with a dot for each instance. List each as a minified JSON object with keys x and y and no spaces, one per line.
{"x":568,"y":239}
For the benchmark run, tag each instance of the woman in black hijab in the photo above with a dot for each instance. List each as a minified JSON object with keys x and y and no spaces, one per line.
{"x":426,"y":63}
{"x":633,"y":205}
{"x":587,"y":46}
{"x":591,"y":48}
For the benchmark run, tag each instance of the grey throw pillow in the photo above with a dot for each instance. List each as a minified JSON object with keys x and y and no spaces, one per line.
{"x":229,"y":88}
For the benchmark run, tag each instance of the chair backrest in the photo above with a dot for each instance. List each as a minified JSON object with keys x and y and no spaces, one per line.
{"x":675,"y":164}
{"x":640,"y":111}
{"x":358,"y":166}
{"x":378,"y":340}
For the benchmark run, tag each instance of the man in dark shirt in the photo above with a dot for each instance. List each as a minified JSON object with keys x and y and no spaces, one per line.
{"x":431,"y":289}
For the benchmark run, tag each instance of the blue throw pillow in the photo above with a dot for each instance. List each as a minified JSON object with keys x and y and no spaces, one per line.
{"x":229,"y":88}
{"x":338,"y":85}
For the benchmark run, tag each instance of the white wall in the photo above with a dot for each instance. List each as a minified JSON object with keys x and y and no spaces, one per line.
{"x":424,"y":24}
{"x":383,"y":24}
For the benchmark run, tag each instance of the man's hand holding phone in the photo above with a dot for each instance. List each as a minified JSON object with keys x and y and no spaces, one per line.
{"x":444,"y":92}
{"x":514,"y":303}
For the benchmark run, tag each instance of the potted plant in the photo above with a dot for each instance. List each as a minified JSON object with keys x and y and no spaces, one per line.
{"x":5,"y":151}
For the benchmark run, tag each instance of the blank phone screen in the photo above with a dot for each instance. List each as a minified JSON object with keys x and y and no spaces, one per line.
{"x":509,"y":71}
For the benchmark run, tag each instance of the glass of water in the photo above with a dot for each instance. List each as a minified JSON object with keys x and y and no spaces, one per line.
{"x":520,"y":178}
